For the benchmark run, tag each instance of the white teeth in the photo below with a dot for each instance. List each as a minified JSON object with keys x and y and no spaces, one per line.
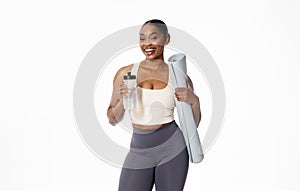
{"x":149,"y":50}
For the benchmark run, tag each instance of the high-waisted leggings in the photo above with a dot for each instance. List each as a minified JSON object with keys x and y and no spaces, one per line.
{"x":156,"y":157}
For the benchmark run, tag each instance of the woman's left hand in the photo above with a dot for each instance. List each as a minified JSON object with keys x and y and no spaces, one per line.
{"x":186,"y":95}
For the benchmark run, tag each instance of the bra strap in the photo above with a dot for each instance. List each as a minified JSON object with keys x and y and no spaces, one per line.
{"x":135,"y":69}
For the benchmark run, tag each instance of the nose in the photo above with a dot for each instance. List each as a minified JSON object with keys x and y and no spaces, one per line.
{"x":146,"y":42}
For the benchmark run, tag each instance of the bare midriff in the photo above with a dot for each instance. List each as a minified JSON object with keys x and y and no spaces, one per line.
{"x":149,"y":127}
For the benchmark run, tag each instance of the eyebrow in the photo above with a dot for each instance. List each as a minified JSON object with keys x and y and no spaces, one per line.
{"x":150,"y":33}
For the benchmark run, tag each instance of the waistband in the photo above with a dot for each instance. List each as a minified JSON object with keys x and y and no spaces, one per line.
{"x":152,"y":138}
{"x":142,"y":131}
{"x":157,"y":148}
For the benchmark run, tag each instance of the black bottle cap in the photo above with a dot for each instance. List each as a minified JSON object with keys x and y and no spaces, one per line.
{"x":129,"y":76}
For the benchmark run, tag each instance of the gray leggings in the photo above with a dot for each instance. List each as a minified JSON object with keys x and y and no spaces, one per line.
{"x":156,"y":157}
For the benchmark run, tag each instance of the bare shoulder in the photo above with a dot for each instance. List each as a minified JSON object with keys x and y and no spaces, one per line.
{"x":122,"y":71}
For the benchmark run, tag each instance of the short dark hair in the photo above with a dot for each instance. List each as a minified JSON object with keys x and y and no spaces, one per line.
{"x":159,"y":24}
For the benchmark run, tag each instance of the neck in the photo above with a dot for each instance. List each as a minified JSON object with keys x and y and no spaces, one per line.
{"x":155,"y":64}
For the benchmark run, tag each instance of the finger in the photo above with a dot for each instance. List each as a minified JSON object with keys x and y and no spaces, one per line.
{"x":124,"y":92}
{"x":179,"y":89}
{"x":181,"y":94}
{"x":182,"y":91}
{"x":123,"y":86}
{"x":123,"y":89}
{"x":178,"y":97}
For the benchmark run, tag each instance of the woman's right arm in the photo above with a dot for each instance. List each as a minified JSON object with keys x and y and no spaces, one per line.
{"x":115,"y":111}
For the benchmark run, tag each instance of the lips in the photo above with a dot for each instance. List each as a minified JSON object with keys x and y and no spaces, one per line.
{"x":149,"y":51}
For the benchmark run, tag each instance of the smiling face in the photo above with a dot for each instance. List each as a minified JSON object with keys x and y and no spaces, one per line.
{"x":152,"y":42}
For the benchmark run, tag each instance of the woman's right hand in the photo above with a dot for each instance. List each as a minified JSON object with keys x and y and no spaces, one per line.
{"x":115,"y":110}
{"x":123,"y":90}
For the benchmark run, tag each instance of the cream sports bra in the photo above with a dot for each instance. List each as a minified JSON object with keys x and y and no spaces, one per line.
{"x":153,"y":107}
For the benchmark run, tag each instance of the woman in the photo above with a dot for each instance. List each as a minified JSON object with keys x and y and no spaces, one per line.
{"x":158,"y":153}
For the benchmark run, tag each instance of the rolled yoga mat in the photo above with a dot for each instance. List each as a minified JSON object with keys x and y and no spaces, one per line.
{"x":184,"y":110}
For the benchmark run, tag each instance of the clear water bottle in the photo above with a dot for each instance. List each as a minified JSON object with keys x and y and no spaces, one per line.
{"x":129,"y":100}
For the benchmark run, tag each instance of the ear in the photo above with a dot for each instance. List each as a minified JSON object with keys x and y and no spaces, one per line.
{"x":167,"y":39}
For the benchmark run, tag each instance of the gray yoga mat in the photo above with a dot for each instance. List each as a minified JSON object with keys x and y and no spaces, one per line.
{"x":184,"y":110}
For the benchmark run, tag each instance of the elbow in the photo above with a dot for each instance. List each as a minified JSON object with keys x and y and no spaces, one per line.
{"x":114,"y":116}
{"x":111,"y":118}
{"x":112,"y":122}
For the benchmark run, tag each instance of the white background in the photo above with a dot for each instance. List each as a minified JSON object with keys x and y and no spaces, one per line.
{"x":254,"y":43}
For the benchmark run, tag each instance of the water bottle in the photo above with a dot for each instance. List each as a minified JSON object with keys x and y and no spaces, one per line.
{"x":129,"y":100}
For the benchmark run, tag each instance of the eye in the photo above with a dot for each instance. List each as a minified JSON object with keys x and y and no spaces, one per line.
{"x":142,"y":37}
{"x":154,"y":38}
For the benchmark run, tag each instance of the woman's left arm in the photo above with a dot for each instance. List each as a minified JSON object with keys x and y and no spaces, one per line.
{"x":188,"y":95}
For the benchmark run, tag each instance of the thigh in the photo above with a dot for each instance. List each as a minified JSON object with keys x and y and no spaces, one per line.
{"x":136,"y":179}
{"x":171,"y":176}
